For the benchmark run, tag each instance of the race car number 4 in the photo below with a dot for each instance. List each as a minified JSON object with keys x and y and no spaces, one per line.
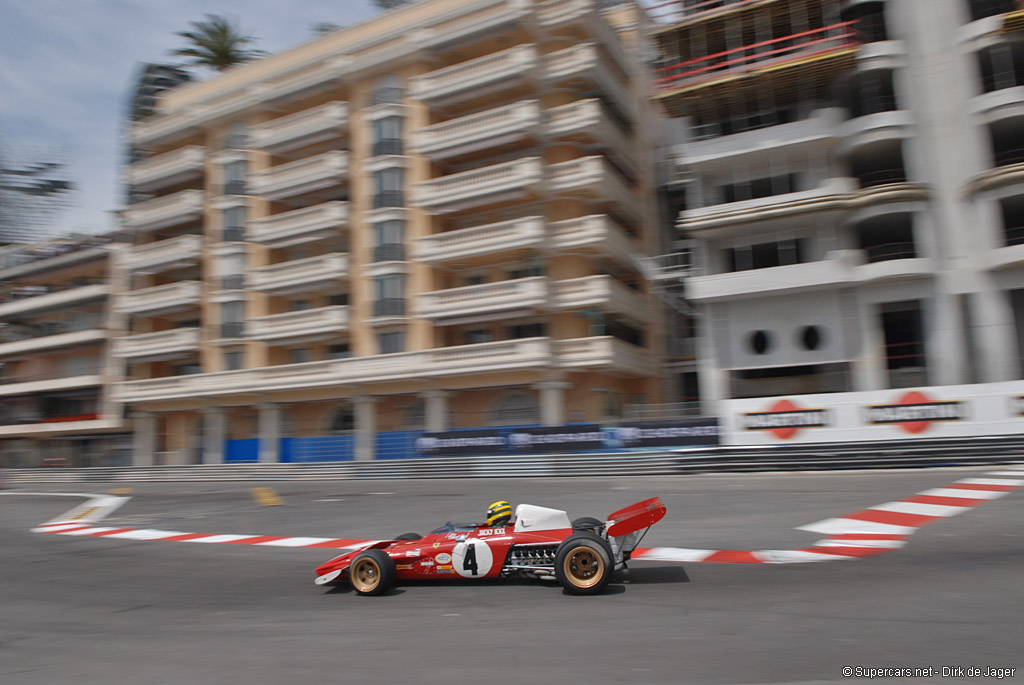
{"x":472,"y":558}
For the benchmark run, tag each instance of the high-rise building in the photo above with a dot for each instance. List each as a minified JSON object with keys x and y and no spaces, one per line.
{"x":56,"y":367}
{"x":849,"y":184}
{"x":434,"y":219}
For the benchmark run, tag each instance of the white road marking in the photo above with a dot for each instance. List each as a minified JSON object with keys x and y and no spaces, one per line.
{"x":921,"y":509}
{"x":844,"y":525}
{"x":963,"y":494}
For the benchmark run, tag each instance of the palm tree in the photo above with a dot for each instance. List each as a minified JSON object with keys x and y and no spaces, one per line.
{"x":216,"y":44}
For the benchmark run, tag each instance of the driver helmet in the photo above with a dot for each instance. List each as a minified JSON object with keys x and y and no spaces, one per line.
{"x":499,"y":513}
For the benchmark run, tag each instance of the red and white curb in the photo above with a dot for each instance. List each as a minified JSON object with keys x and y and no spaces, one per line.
{"x":866,"y":533}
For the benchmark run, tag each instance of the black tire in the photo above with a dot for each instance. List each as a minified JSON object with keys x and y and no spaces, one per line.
{"x":372,"y":573}
{"x":584,"y":564}
{"x":588,"y":523}
{"x":409,"y":536}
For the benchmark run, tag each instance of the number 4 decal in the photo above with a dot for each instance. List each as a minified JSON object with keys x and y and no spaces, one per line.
{"x":472,"y":558}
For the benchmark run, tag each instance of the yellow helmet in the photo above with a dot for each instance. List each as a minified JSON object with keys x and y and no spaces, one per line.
{"x":499,"y":513}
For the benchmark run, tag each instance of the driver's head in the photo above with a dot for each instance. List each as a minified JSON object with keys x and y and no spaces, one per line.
{"x":499,"y":513}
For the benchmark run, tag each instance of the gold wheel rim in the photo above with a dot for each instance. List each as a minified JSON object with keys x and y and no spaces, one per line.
{"x":365,"y":575}
{"x":583,"y":567}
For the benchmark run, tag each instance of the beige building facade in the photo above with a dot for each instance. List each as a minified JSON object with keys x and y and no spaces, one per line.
{"x":435,"y":219}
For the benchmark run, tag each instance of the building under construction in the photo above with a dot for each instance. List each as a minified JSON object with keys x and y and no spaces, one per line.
{"x":851,"y":185}
{"x":33,"y":189}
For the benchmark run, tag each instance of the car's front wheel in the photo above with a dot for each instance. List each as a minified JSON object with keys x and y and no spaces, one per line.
{"x":372,"y":572}
{"x":583,"y":564}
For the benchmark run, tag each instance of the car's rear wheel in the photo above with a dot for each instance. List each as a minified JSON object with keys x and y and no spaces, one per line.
{"x":583,"y":564}
{"x":588,"y":523}
{"x":372,"y":572}
{"x":409,"y":536}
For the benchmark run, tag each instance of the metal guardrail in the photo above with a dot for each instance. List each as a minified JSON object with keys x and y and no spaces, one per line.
{"x":812,"y":457}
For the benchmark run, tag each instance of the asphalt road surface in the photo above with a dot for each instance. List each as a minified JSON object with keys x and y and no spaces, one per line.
{"x":94,"y":610}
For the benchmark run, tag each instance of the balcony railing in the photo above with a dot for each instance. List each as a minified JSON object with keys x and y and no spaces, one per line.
{"x":234,"y":188}
{"x":603,"y":292}
{"x":474,"y":130}
{"x":168,"y":168}
{"x":387,"y":146}
{"x":451,"y":192}
{"x":301,"y":324}
{"x":161,"y":343}
{"x":389,"y":306}
{"x":889,"y":251}
{"x":161,"y":212}
{"x":472,"y":75}
{"x":299,"y":274}
{"x":521,"y":293}
{"x":232,"y":282}
{"x":604,"y":352}
{"x":230,"y":329}
{"x":882,"y":177}
{"x":774,"y":52}
{"x":304,"y":176}
{"x":162,"y":255}
{"x":161,"y":298}
{"x":48,"y":301}
{"x":308,"y":127}
{"x":306,"y":223}
{"x":477,"y":240}
{"x":388,"y":198}
{"x":598,"y":232}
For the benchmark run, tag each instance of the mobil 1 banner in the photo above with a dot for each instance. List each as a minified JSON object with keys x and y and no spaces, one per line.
{"x":680,"y":433}
{"x":575,"y":438}
{"x":452,"y":443}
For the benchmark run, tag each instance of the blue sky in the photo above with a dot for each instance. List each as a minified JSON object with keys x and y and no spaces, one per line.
{"x":66,"y":67}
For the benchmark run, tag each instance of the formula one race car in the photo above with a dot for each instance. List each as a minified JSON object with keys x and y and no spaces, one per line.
{"x":582,"y":555}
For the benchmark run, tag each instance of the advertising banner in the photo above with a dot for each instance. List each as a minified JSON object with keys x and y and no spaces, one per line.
{"x":454,"y":443}
{"x":574,"y":438}
{"x":679,"y":433}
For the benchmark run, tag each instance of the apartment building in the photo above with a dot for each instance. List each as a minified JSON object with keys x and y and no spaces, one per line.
{"x":433,"y":219}
{"x":848,"y":179}
{"x":56,"y":368}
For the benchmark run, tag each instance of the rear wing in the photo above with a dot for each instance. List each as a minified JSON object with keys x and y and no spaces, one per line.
{"x":626,"y":527}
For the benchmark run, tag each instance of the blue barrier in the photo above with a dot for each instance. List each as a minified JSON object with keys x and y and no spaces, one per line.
{"x":241,"y":451}
{"x":318,"y":449}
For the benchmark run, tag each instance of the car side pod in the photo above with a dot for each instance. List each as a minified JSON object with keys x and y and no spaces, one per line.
{"x":635,"y":517}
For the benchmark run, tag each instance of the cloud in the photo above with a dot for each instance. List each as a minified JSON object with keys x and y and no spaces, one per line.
{"x":68,"y":68}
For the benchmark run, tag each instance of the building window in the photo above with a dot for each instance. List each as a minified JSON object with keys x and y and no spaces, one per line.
{"x":475,"y":279}
{"x":232,"y":360}
{"x":300,"y":355}
{"x":759,"y":187}
{"x":234,"y":177}
{"x":514,"y":409}
{"x":387,"y":188}
{"x":390,"y":343}
{"x":478,"y":335}
{"x":237,"y":137}
{"x":526,"y":330}
{"x":388,"y":90}
{"x":338,"y":300}
{"x":387,"y":136}
{"x":301,"y":305}
{"x":765,"y":255}
{"x":186,"y":369}
{"x":389,"y":239}
{"x":231,"y":316}
{"x":339,"y":351}
{"x":234,"y":224}
{"x":390,"y":295}
{"x":343,"y":421}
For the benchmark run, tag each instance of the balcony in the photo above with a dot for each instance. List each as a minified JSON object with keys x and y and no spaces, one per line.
{"x":525,"y":355}
{"x":596,"y":234}
{"x":895,"y":125}
{"x":480,"y":240}
{"x":161,"y":299}
{"x":299,"y":275}
{"x":998,"y":105}
{"x":554,"y":12}
{"x":304,"y":176}
{"x":162,"y":345}
{"x":586,"y":62}
{"x":59,"y":337}
{"x":592,"y":178}
{"x":51,"y":382}
{"x":170,"y":168}
{"x":179,"y":208}
{"x":836,"y":270}
{"x":817,"y":130}
{"x":475,"y":77}
{"x":604,"y":352}
{"x":309,"y":127}
{"x":300,"y":225}
{"x":519,"y":295}
{"x":601,"y":292}
{"x":61,"y":299}
{"x":163,"y":255}
{"x":479,"y":131}
{"x":466,"y":189}
{"x":308,"y":324}
{"x":162,"y":128}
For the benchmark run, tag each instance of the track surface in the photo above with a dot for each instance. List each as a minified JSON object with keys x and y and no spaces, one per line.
{"x":80,"y":610}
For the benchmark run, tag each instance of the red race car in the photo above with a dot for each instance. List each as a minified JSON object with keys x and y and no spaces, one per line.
{"x":582,"y":555}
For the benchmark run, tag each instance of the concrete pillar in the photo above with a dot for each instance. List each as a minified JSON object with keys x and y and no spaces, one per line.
{"x":366,"y":428}
{"x":869,"y":369}
{"x":944,"y":346}
{"x":269,"y":433}
{"x":994,"y":333}
{"x":436,"y":409}
{"x":712,"y":378}
{"x":552,"y":402}
{"x":143,"y":439}
{"x":214,"y":434}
